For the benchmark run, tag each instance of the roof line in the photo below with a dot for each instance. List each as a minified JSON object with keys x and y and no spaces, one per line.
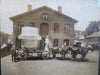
{"x":37,"y":9}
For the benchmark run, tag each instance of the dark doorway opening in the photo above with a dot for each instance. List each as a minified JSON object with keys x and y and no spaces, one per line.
{"x":66,"y":41}
{"x":44,"y":28}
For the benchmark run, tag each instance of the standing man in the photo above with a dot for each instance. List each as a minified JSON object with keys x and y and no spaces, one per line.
{"x":12,"y":52}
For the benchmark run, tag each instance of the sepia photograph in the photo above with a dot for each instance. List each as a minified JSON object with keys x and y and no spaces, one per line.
{"x":50,"y":37}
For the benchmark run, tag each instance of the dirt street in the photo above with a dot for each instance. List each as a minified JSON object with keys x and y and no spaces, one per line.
{"x":51,"y":67}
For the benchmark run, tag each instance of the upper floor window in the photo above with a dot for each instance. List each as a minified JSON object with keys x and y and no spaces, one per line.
{"x":20,"y":23}
{"x":32,"y":24}
{"x":45,"y":16}
{"x":56,"y":27}
{"x":55,"y":42}
{"x":66,"y":28}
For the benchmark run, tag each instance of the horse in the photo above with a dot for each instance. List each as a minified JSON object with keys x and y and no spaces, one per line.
{"x":82,"y":50}
{"x":65,"y":50}
{"x":55,"y":50}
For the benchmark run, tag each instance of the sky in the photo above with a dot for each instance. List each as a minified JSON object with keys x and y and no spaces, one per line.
{"x":84,"y":11}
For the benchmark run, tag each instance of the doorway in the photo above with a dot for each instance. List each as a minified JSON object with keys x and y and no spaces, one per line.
{"x":44,"y":28}
{"x":66,"y":41}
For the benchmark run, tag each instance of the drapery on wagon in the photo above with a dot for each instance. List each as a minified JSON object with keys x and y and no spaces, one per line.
{"x":29,"y":45}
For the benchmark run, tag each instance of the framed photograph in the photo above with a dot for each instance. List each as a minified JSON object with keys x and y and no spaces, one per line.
{"x":50,"y":37}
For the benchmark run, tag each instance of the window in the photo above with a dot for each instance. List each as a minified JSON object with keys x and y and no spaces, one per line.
{"x":20,"y":23}
{"x":45,"y":16}
{"x":55,"y":42}
{"x":32,"y":24}
{"x":67,"y":28}
{"x":56,"y":27}
{"x":66,"y":41}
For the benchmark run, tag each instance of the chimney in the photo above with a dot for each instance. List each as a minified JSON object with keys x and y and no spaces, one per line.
{"x":29,"y":7}
{"x":59,"y":9}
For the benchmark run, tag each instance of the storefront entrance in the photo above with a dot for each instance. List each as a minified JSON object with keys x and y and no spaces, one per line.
{"x":44,"y":30}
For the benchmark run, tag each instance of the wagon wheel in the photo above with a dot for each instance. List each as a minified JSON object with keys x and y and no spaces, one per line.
{"x":45,"y":55}
{"x":22,"y":56}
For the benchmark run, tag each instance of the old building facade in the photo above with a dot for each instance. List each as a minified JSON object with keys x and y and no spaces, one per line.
{"x":57,"y":26}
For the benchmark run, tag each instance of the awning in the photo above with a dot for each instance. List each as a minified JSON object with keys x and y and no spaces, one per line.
{"x":94,"y":35}
{"x":93,"y":42}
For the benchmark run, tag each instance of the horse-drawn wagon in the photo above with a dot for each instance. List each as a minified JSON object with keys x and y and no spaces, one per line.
{"x":29,"y":45}
{"x":72,"y":51}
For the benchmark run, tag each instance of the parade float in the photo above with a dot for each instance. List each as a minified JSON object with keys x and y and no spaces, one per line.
{"x":30,"y":44}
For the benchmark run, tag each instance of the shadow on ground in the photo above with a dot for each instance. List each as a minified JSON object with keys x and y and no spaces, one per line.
{"x":77,"y":59}
{"x":57,"y":58}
